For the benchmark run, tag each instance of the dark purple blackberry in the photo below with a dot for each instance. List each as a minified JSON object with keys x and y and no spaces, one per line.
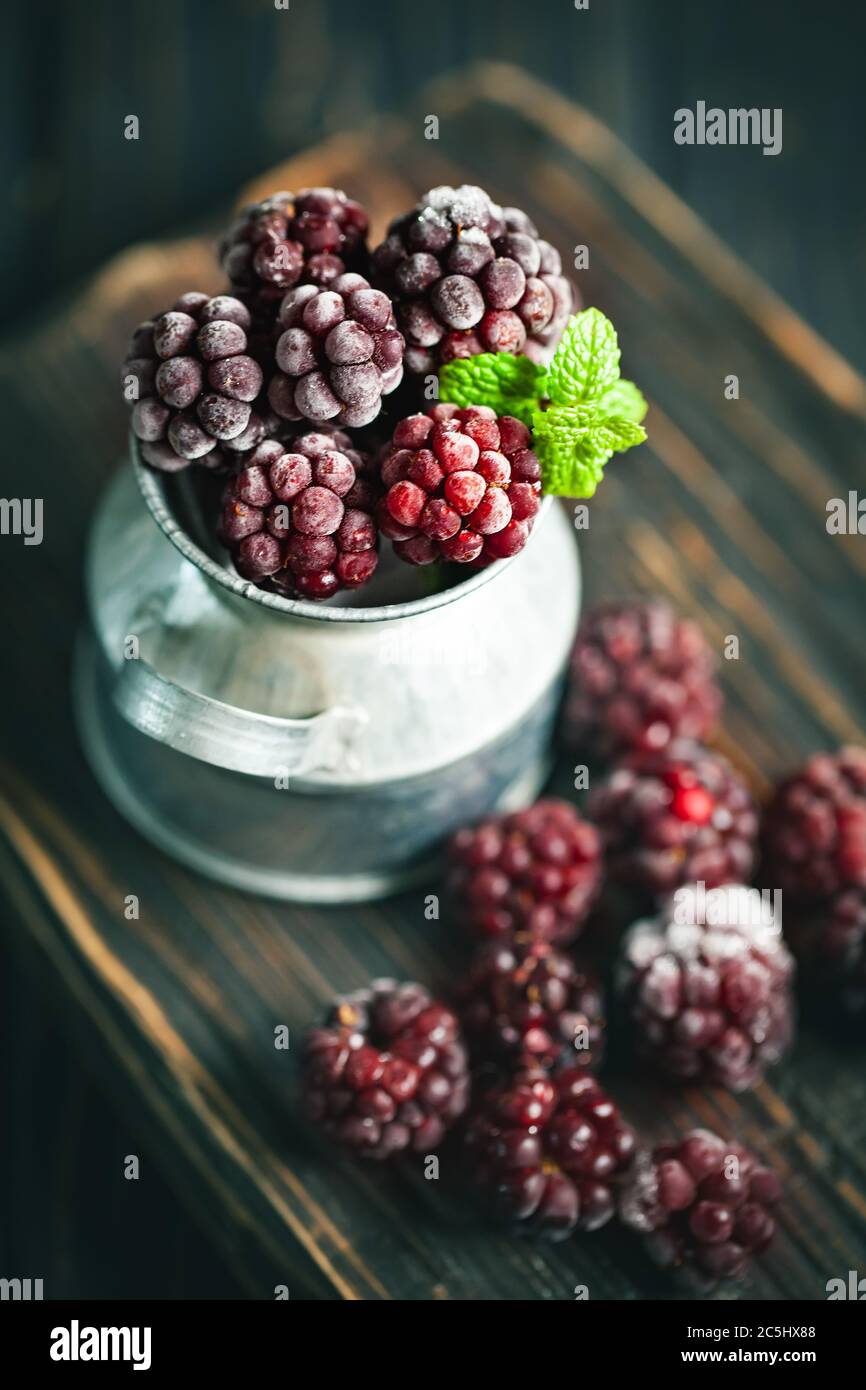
{"x":194,"y":388}
{"x":682,"y":815}
{"x":829,"y":942}
{"x":460,"y":485}
{"x":640,"y":677}
{"x":339,"y":352}
{"x":387,"y":1072}
{"x":704,"y":1205}
{"x":550,"y":1151}
{"x":708,"y":985}
{"x":469,"y":277}
{"x":311,"y":237}
{"x":535,"y":872}
{"x":527,"y":1004}
{"x":298,"y":516}
{"x":814,"y":831}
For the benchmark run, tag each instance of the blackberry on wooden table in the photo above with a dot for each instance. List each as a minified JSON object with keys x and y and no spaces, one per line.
{"x":704,"y":1205}
{"x":640,"y":677}
{"x":388,"y":1071}
{"x":829,"y":941}
{"x":710,"y":1001}
{"x":527,"y":1003}
{"x":681,"y":815}
{"x":549,"y":1152}
{"x":535,"y":872}
{"x":814,"y":830}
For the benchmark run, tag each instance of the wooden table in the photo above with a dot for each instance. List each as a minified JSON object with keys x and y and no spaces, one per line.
{"x":723,"y":512}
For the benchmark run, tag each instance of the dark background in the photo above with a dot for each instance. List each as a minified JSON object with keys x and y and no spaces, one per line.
{"x":225,"y":88}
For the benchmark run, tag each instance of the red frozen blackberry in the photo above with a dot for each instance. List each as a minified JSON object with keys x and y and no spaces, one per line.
{"x":704,"y":1205}
{"x":709,"y":991}
{"x":311,"y":237}
{"x":194,"y":387}
{"x":535,"y":872}
{"x":387,"y":1072}
{"x":460,"y":485}
{"x":298,"y":516}
{"x":527,"y":1004}
{"x":550,"y":1151}
{"x":640,"y":676}
{"x":338,"y":353}
{"x":469,"y":277}
{"x":678,"y":816}
{"x":814,"y":832}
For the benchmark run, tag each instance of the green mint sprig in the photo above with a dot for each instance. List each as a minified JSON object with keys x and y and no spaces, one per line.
{"x":579,"y":409}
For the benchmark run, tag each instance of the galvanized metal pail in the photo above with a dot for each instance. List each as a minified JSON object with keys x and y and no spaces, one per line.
{"x":314,"y":752}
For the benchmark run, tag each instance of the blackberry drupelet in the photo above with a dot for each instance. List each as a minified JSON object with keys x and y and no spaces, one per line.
{"x":338,"y":353}
{"x":710,"y":1003}
{"x":535,"y":872}
{"x":704,"y":1205}
{"x":814,"y":831}
{"x":527,"y":1004}
{"x":298,"y":517}
{"x":311,"y":237}
{"x":550,"y":1152}
{"x":468,"y":276}
{"x":387,"y":1072}
{"x":460,"y":485}
{"x":640,"y":677}
{"x":193,"y":384}
{"x":677,"y":816}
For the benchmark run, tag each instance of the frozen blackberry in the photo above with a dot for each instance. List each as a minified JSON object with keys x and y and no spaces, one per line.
{"x":459,"y":485}
{"x":640,"y":677}
{"x":682,"y":815}
{"x":194,"y":388}
{"x":814,"y":831}
{"x":535,"y":872}
{"x":708,"y":985}
{"x":704,"y":1205}
{"x":338,"y":353}
{"x":298,"y":516}
{"x":312,"y":237}
{"x":829,"y":941}
{"x":387,"y":1072}
{"x":527,"y":1004}
{"x":468,"y":276}
{"x":550,"y":1151}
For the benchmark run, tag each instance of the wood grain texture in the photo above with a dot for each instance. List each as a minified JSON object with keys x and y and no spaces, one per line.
{"x":723,"y":511}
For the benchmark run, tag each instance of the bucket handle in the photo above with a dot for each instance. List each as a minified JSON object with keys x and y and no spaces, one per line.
{"x":225,"y":736}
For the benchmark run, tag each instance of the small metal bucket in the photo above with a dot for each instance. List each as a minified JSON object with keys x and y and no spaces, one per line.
{"x":313,"y":752}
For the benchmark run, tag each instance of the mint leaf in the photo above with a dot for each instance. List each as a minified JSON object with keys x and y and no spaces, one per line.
{"x":573,"y":445}
{"x":624,"y":400}
{"x":557,"y":437}
{"x":591,"y":414}
{"x":618,"y":434}
{"x":510,"y":385}
{"x":586,"y":362}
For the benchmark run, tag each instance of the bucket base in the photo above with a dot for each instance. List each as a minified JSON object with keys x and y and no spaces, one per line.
{"x":407,"y":821}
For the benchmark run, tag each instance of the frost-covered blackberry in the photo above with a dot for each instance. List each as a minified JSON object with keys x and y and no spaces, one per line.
{"x":468,"y":276}
{"x":193,"y":385}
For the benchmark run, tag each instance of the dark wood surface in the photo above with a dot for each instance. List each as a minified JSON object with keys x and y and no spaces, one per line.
{"x":723,"y":511}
